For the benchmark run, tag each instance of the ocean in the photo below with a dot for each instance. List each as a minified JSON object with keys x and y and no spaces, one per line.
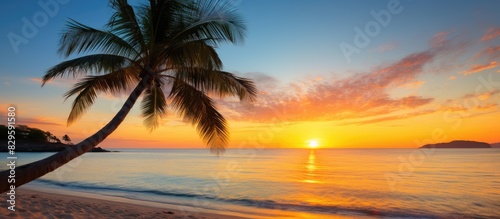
{"x":371,"y":183}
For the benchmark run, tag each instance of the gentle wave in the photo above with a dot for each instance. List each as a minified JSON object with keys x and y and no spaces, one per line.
{"x":268,"y":204}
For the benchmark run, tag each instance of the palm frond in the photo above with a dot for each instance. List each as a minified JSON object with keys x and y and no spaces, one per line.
{"x":215,"y":21}
{"x":193,"y":54}
{"x":198,"y":109}
{"x":85,"y":99}
{"x":96,"y":64}
{"x":162,"y":16}
{"x":154,"y":106}
{"x":88,"y":88}
{"x":124,"y":24}
{"x":220,"y":83}
{"x":145,"y":15}
{"x":79,"y":38}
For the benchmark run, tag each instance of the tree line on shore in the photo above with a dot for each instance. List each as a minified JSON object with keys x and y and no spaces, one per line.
{"x":29,"y":134}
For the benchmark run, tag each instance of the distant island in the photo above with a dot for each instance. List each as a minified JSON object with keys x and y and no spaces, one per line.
{"x":459,"y":144}
{"x":30,"y":139}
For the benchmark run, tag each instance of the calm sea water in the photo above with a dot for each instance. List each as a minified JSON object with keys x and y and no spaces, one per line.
{"x":389,"y":183}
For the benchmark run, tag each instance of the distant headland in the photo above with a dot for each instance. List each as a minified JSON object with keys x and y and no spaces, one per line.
{"x":459,"y":144}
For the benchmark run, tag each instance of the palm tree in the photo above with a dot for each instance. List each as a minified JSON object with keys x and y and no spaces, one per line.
{"x":52,"y":138}
{"x":66,"y":139}
{"x":166,"y":49}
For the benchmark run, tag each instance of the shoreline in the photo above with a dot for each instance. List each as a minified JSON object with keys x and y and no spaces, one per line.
{"x":34,"y":203}
{"x":39,"y":202}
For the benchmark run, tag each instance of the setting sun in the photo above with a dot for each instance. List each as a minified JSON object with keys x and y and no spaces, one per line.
{"x":313,"y":143}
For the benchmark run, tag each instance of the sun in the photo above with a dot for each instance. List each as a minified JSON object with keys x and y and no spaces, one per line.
{"x":313,"y":143}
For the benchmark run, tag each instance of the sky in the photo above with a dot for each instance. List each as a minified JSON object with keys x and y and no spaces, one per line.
{"x":344,"y":74}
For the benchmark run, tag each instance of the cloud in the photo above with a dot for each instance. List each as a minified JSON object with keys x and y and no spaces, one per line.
{"x":492,"y":49}
{"x":471,"y":103}
{"x":440,"y":40}
{"x":28,"y":120}
{"x":414,"y":85}
{"x":454,"y":108}
{"x":38,"y":121}
{"x":358,"y":96}
{"x":482,"y":96}
{"x":451,"y":50}
{"x":453,"y":77}
{"x":361,"y":98}
{"x":478,"y":68}
{"x":487,"y":107}
{"x":460,"y":108}
{"x":391,"y":118}
{"x":37,"y":80}
{"x":490,"y":53}
{"x":491,"y":33}
{"x":386,"y":47}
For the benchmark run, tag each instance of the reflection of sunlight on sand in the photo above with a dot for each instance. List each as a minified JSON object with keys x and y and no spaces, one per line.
{"x":311,"y":167}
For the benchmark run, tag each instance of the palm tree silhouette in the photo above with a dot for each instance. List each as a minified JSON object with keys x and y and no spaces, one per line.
{"x":166,"y":50}
{"x":66,"y":139}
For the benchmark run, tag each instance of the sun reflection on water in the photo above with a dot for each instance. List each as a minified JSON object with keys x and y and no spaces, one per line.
{"x":311,"y":168}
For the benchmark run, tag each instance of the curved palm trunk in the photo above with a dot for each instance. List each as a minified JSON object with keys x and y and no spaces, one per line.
{"x":32,"y":171}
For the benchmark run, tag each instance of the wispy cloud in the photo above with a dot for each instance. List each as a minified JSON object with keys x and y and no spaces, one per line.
{"x":492,"y":49}
{"x":39,"y":121}
{"x":367,"y":97}
{"x":491,"y":33}
{"x":390,"y":118}
{"x":482,"y":102}
{"x":480,"y":67}
{"x":489,"y":53}
{"x":460,"y":108}
{"x":440,"y":40}
{"x":359,"y":96}
{"x":482,"y":96}
{"x":487,"y":107}
{"x":386,"y":47}
{"x":414,"y":85}
{"x":30,"y":121}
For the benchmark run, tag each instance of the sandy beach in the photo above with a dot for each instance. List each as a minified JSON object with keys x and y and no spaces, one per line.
{"x":36,"y":204}
{"x":44,"y":203}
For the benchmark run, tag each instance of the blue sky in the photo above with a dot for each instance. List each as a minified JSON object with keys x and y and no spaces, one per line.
{"x":287,"y":39}
{"x":295,"y":48}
